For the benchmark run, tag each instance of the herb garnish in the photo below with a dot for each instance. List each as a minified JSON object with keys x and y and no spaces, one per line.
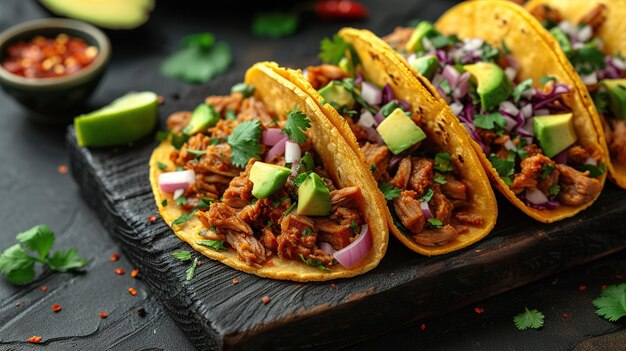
{"x":181,"y":200}
{"x":161,"y":165}
{"x":184,"y":217}
{"x":594,"y":171}
{"x":505,"y":168}
{"x":246,"y":90}
{"x":18,"y":266}
{"x":529,"y":319}
{"x":520,"y":88}
{"x":291,"y":208}
{"x":333,"y":50}
{"x":545,"y":79}
{"x":191,"y":270}
{"x":389,"y":191}
{"x":274,"y":24}
{"x":612,"y":302}
{"x":217,"y":245}
{"x":307,"y":231}
{"x":443,"y":162}
{"x":555,"y":189}
{"x":196,"y":153}
{"x":296,"y":124}
{"x":429,"y":195}
{"x":164,"y":203}
{"x":313,"y":263}
{"x":440,"y":179}
{"x":244,"y":142}
{"x":436,"y":223}
{"x":372,"y":168}
{"x":300,"y":178}
{"x":490,"y":121}
{"x":182,"y":255}
{"x":546,"y":170}
{"x":204,"y":203}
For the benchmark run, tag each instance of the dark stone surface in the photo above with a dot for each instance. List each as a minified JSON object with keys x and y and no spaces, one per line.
{"x":33,"y":192}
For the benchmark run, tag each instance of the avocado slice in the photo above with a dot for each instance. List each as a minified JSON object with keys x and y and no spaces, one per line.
{"x":112,"y":14}
{"x":399,"y":131}
{"x":493,"y":84}
{"x":346,"y":66}
{"x":336,"y":93}
{"x":313,"y":197}
{"x":423,"y":30}
{"x":267,"y":178}
{"x":203,"y":117}
{"x":563,"y":41}
{"x":616,"y":89}
{"x":426,"y":66}
{"x":555,"y":133}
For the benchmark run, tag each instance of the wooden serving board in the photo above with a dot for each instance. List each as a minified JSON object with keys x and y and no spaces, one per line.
{"x":216,"y":314}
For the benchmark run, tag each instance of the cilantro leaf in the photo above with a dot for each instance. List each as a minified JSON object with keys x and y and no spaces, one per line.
{"x":611,"y":304}
{"x":601,"y":100}
{"x":307,"y":231}
{"x":204,"y":203}
{"x":182,"y":255}
{"x":161,"y":165}
{"x":214,"y":244}
{"x":505,"y":48}
{"x":505,"y":168}
{"x":313,"y":263}
{"x":520,"y":88}
{"x":545,"y":79}
{"x":436,"y":223}
{"x":429,"y":195}
{"x":196,"y":153}
{"x":298,"y":180}
{"x":439,"y":179}
{"x":490,"y":121}
{"x":181,"y":200}
{"x":274,"y":24}
{"x":445,"y":86}
{"x":296,"y":124}
{"x":63,"y":261}
{"x":184,"y":217}
{"x":16,"y":265}
{"x":555,"y":189}
{"x":389,"y":191}
{"x":529,"y":319}
{"x":443,"y":162}
{"x":244,"y":142}
{"x":38,"y":239}
{"x":546,"y":170}
{"x":489,"y":53}
{"x":333,"y":50}
{"x":191,"y":270}
{"x":164,"y":203}
{"x":289,"y":209}
{"x":200,"y":59}
{"x":244,"y":89}
{"x":594,"y":171}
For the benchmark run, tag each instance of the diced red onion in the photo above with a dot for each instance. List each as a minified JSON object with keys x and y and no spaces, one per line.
{"x":405,"y":105}
{"x":591,"y":161}
{"x":437,"y":79}
{"x":451,"y":75}
{"x":512,"y":62}
{"x":462,"y":85}
{"x":511,"y":73}
{"x":178,"y":193}
{"x":371,"y":94}
{"x":373,"y":136}
{"x":379,"y":118}
{"x":509,"y":145}
{"x":387,"y":93}
{"x":292,"y":151}
{"x":542,"y":112}
{"x":561,"y":157}
{"x":527,"y":111}
{"x":359,"y":79}
{"x":326,"y":247}
{"x":367,"y":120}
{"x":529,"y":93}
{"x":561,"y":89}
{"x":585,"y":33}
{"x":548,"y":205}
{"x":510,"y":123}
{"x":394,"y":161}
{"x":456,"y":108}
{"x":509,"y":107}
{"x":527,"y":130}
{"x":271,"y":136}
{"x":472,"y":44}
{"x":617,"y":63}
{"x":172,"y":181}
{"x":276,"y":150}
{"x":354,"y":253}
{"x":536,"y":197}
{"x":529,"y":140}
{"x":426,"y":209}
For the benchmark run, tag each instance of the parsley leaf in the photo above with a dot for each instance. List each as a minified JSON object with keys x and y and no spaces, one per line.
{"x":443,"y":163}
{"x":200,"y":59}
{"x":333,"y":50}
{"x":191,"y":270}
{"x":440,"y":179}
{"x":214,"y":244}
{"x":38,"y":239}
{"x":16,"y":265}
{"x":244,"y":142}
{"x":611,"y":304}
{"x":182,"y":255}
{"x":429,"y":195}
{"x":389,"y":191}
{"x":520,"y":88}
{"x":63,"y":261}
{"x":489,"y":53}
{"x":490,"y":121}
{"x":246,"y":90}
{"x":274,"y":24}
{"x":434,"y":222}
{"x":529,"y":319}
{"x":313,"y":263}
{"x":161,"y":165}
{"x":184,"y":217}
{"x":296,"y":124}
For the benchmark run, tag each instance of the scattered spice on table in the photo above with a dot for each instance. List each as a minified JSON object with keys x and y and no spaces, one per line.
{"x":134,"y":273}
{"x":56,"y":307}
{"x":36,"y":339}
{"x":43,"y":289}
{"x":62,"y":169}
{"x":115,"y":256}
{"x":332,"y":285}
{"x":235,"y":281}
{"x":423,"y":326}
{"x":132,"y":291}
{"x":160,"y":100}
{"x":103,"y":315}
{"x":18,"y":304}
{"x":265,"y":299}
{"x":582,"y":288}
{"x":141,"y":312}
{"x":479,"y":310}
{"x":152,"y":219}
{"x":119,"y":271}
{"x":565,"y":315}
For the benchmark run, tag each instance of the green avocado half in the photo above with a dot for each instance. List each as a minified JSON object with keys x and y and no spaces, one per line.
{"x":111,"y":14}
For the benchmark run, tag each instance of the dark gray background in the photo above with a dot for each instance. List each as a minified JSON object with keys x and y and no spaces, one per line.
{"x":33,"y":192}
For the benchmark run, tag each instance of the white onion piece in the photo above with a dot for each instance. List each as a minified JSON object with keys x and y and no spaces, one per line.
{"x":590,"y":79}
{"x":527,"y":111}
{"x":508,"y":107}
{"x":536,"y":197}
{"x":411,"y":58}
{"x":591,"y":161}
{"x":371,"y":94}
{"x":585,"y":33}
{"x":528,"y":93}
{"x":472,"y":44}
{"x":577,"y":45}
{"x":326,"y":247}
{"x":567,"y":27}
{"x":511,"y":73}
{"x":178,"y":193}
{"x":294,"y":168}
{"x":172,"y":181}
{"x":354,"y":253}
{"x":276,"y":150}
{"x":292,"y":152}
{"x":367,"y":119}
{"x":426,"y":209}
{"x":509,"y":145}
{"x":618,"y":63}
{"x":529,"y":127}
{"x":561,"y":89}
{"x":271,"y":136}
{"x":456,"y":108}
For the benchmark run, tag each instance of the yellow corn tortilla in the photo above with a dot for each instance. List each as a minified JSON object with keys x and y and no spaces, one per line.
{"x":613,"y":34}
{"x":532,"y":47}
{"x":279,"y":96}
{"x":382,"y":66}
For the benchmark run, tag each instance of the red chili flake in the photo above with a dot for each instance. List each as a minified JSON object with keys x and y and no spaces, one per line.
{"x":160,"y":99}
{"x":18,"y":304}
{"x":56,"y":307}
{"x":479,"y":310}
{"x":62,"y":169}
{"x":132,"y":291}
{"x":198,"y":264}
{"x":565,"y":315}
{"x":423,"y":326}
{"x":332,"y":285}
{"x":619,"y":276}
{"x":119,"y":271}
{"x":340,"y":9}
{"x":43,"y":289}
{"x":603,"y":286}
{"x":36,"y":339}
{"x":235,"y":281}
{"x":115,"y":256}
{"x":582,"y":288}
{"x":265,"y":299}
{"x":134,"y":273}
{"x":103,"y":315}
{"x":152,"y":219}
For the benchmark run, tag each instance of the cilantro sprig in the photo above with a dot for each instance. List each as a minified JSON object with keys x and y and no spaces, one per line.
{"x":296,"y":124}
{"x":333,"y":50}
{"x":611,"y":304}
{"x":314,"y":263}
{"x":529,"y":319}
{"x":389,"y":191}
{"x":18,"y":266}
{"x":244,"y":142}
{"x":274,"y":24}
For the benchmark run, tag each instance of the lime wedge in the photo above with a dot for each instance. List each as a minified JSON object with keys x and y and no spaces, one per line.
{"x":128,"y":118}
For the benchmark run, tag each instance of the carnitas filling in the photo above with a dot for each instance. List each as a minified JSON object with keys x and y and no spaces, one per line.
{"x":524,"y":128}
{"x":426,"y":197}
{"x":259,"y":187}
{"x":603,"y":73}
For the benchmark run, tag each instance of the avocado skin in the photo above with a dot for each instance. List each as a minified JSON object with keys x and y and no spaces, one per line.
{"x":203,"y":117}
{"x":616,"y":89}
{"x":493,"y":84}
{"x":313,"y":197}
{"x":426,"y":66}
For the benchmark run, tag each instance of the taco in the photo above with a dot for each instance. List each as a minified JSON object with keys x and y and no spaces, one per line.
{"x":535,"y":132}
{"x":262,"y":182}
{"x":592,"y":36}
{"x":438,"y":196}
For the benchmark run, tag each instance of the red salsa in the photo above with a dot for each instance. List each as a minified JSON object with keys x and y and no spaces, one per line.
{"x":49,"y":57}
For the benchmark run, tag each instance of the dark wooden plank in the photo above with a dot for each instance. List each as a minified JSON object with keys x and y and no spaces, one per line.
{"x":216,"y":314}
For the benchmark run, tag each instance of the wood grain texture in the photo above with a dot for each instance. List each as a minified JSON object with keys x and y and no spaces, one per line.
{"x":215,"y":314}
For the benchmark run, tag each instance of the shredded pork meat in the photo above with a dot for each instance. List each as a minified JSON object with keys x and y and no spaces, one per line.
{"x":421,"y":175}
{"x":409,"y":212}
{"x":617,"y":140}
{"x":320,"y":76}
{"x":576,"y":187}
{"x":437,"y":237}
{"x":399,"y":37}
{"x":377,"y":156}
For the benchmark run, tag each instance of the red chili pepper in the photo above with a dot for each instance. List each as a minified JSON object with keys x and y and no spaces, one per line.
{"x":265,"y":299}
{"x":115,"y":256}
{"x":152,"y":219}
{"x":103,"y":315}
{"x":62,"y":169}
{"x":423,"y":326}
{"x":132,"y":291}
{"x":56,"y":307}
{"x":134,"y":273}
{"x":34,"y":339}
{"x":340,"y":10}
{"x":565,"y":315}
{"x":332,"y":285}
{"x":479,"y":310}
{"x":119,"y":271}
